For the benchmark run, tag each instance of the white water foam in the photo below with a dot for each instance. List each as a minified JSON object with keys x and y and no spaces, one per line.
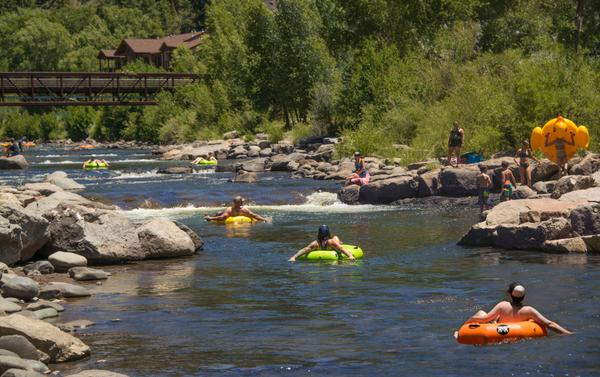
{"x":70,"y":162}
{"x":316,"y":202}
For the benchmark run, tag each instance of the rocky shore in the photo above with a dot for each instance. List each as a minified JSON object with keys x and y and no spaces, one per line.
{"x":54,"y":234}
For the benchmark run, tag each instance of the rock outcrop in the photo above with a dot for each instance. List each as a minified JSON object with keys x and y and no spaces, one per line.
{"x":22,"y":234}
{"x":60,"y":179}
{"x":15,"y":162}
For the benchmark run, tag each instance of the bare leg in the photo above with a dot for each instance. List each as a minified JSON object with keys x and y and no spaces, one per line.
{"x":457,"y":151}
{"x":528,"y":173}
{"x":522,"y":176}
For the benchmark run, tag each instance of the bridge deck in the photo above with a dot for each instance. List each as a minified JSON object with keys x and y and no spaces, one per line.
{"x":87,"y":88}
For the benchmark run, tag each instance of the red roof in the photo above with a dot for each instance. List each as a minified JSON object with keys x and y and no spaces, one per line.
{"x":108,"y":54}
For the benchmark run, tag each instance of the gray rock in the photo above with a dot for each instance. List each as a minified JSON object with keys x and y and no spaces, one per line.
{"x":282,"y":148}
{"x":540,"y":187}
{"x":458,"y":182}
{"x":63,"y":261}
{"x":572,"y":183}
{"x":11,"y":362}
{"x":288,"y":163}
{"x":21,"y":234}
{"x":245,"y":177}
{"x":523,"y":192}
{"x":63,"y":199}
{"x":388,"y":190}
{"x":50,"y":293}
{"x":66,"y":290}
{"x":429,"y":184}
{"x":256,"y":165}
{"x":86,"y":273}
{"x":58,"y":345}
{"x":263,"y":144}
{"x":73,"y":326}
{"x":8,"y":353}
{"x":585,"y":220}
{"x":45,"y":313}
{"x":161,"y":238}
{"x":4,"y":268}
{"x":43,"y":304}
{"x":175,"y":170}
{"x":60,"y":179}
{"x":21,"y":373}
{"x":544,"y":171}
{"x":19,"y":345}
{"x":43,"y":266}
{"x":196,"y":239}
{"x":20,"y":287}
{"x":530,"y":236}
{"x":231,"y":135}
{"x":15,"y":162}
{"x":349,"y":194}
{"x":587,"y":166}
{"x":238,"y":151}
{"x":253,"y":151}
{"x":9,"y":307}
{"x":44,"y":188}
{"x":566,"y":245}
{"x":267,"y":152}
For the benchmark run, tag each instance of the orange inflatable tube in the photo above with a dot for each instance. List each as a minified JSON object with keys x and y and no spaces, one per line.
{"x":484,"y":333}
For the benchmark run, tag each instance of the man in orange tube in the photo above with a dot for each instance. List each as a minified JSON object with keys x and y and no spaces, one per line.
{"x":514,"y":311}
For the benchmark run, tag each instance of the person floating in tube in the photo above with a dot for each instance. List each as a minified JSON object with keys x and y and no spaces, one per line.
{"x":360,"y":176}
{"x":209,"y":157}
{"x":514,"y":311}
{"x":324,"y":241}
{"x":97,"y":161}
{"x":236,"y":209}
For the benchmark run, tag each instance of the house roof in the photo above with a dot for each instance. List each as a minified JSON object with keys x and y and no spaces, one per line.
{"x":107,"y":54}
{"x":155,"y":46}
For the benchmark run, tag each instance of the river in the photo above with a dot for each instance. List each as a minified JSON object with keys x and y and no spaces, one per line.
{"x":239,"y":308}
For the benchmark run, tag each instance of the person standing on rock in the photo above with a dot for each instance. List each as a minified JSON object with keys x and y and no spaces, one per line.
{"x":561,"y":154}
{"x":324,"y":242}
{"x":12,"y":149}
{"x":360,"y":176}
{"x":514,"y":311}
{"x":508,"y":182}
{"x":237,"y":209}
{"x":484,"y":184}
{"x":455,"y":143}
{"x":524,"y":154}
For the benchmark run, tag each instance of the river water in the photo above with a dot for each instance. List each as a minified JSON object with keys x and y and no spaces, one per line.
{"x":240,"y":309}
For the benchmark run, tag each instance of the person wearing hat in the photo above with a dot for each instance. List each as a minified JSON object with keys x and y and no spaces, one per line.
{"x":514,"y":311}
{"x":324,"y":241}
{"x":237,"y":209}
{"x":360,"y":176}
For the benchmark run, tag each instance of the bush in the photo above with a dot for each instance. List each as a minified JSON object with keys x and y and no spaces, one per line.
{"x":275,"y":130}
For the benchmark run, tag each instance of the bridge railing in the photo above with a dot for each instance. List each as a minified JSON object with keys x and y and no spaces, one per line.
{"x":86,"y":88}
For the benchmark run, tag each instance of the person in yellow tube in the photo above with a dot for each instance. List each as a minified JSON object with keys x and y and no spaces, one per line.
{"x":324,"y":242}
{"x":237,"y":209}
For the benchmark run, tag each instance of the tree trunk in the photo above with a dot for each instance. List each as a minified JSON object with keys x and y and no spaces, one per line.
{"x":578,"y":23}
{"x":287,"y":117}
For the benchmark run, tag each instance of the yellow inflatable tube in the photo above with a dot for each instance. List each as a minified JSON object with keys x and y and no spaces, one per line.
{"x":544,"y":138}
{"x":236,"y":220}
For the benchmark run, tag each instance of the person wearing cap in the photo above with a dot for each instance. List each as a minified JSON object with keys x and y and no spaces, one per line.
{"x":324,"y":241}
{"x":237,"y":209}
{"x":360,"y":176}
{"x":514,"y":311}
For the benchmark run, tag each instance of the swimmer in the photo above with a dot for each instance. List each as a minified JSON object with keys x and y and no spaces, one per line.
{"x":94,"y":160}
{"x":508,"y":182}
{"x":209,"y":157}
{"x":237,"y":209}
{"x":484,"y":184}
{"x":514,"y":311}
{"x":324,"y":242}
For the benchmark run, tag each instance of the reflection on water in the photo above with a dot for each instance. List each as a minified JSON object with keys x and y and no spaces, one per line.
{"x":239,"y":308}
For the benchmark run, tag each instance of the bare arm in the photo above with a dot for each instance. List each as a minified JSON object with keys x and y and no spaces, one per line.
{"x":338,"y":246}
{"x":462,"y":137}
{"x":311,"y":246}
{"x":253,"y":215}
{"x":492,"y":315}
{"x":223,"y":216}
{"x":547,"y":144}
{"x":538,"y":317}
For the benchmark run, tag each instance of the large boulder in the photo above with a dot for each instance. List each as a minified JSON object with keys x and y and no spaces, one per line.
{"x":572,"y":183}
{"x":63,"y":198}
{"x":22,"y":373}
{"x":60,"y":179}
{"x":58,"y":345}
{"x":42,"y":266}
{"x":458,"y":182}
{"x":86,"y":273}
{"x":523,"y":192}
{"x":43,"y":188}
{"x":256,"y":165}
{"x":196,"y":239}
{"x":9,"y":307}
{"x":588,"y":165}
{"x":388,"y":190}
{"x":22,"y":234}
{"x":245,"y":177}
{"x":20,"y":346}
{"x":65,"y":290}
{"x":15,"y":162}
{"x":585,"y":220}
{"x":63,"y":261}
{"x":190,"y":152}
{"x":349,"y":194}
{"x":545,"y":170}
{"x":175,"y":170}
{"x":161,"y":238}
{"x":20,"y":287}
{"x":429,"y":183}
{"x":290,"y":162}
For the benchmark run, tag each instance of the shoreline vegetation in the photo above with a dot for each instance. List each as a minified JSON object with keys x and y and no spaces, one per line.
{"x":330,"y":67}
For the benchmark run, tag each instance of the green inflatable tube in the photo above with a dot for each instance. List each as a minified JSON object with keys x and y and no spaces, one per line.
{"x":317,"y":255}
{"x":94,"y":165}
{"x":207,"y":162}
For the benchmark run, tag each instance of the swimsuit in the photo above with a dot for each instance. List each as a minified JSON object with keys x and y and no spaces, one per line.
{"x":524,"y":154}
{"x":560,"y":149}
{"x":507,"y":190}
{"x":484,"y":196}
{"x":455,"y":138}
{"x":363,"y":176}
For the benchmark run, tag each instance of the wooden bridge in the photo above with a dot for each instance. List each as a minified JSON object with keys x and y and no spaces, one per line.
{"x":87,"y":88}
